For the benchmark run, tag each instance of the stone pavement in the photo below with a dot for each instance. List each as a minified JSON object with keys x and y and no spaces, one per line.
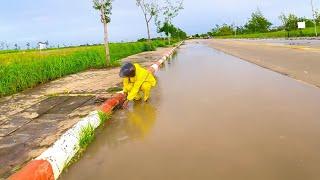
{"x":33,"y":120}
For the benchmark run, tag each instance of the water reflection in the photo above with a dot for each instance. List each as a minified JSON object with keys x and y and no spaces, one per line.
{"x":141,"y":119}
{"x":132,"y":124}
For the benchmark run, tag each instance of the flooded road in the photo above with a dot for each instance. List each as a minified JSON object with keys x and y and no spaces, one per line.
{"x":212,"y":116}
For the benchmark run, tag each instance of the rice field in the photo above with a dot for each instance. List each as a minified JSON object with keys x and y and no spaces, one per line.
{"x":21,"y":70}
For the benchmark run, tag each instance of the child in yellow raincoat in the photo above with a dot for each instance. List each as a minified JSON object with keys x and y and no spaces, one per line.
{"x":136,"y":80}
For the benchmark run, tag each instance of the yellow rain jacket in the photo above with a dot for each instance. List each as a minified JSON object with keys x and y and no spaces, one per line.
{"x":143,"y":81}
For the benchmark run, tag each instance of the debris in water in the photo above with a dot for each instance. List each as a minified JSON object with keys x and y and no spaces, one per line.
{"x":123,"y":138}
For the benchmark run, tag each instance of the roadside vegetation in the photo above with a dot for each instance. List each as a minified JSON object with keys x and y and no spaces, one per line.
{"x":20,"y":70}
{"x":23,"y":69}
{"x":308,"y":32}
{"x":87,"y":135}
{"x":104,"y":117}
{"x":258,"y":26}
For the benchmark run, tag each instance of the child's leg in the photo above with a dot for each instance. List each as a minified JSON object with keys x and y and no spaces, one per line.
{"x":138,"y":97}
{"x":128,"y":88}
{"x":146,"y":88}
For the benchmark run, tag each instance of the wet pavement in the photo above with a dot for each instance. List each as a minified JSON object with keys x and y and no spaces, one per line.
{"x":28,"y":133}
{"x":212,"y":116}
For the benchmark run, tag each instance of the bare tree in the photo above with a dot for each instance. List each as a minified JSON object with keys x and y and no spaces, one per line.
{"x":46,"y":43}
{"x":314,"y":15}
{"x":28,"y":45}
{"x":2,"y":45}
{"x":105,"y":7}
{"x":149,"y":8}
{"x":16,"y":47}
{"x":171,"y":10}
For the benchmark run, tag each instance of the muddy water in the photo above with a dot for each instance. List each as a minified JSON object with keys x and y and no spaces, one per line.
{"x":213,"y":116}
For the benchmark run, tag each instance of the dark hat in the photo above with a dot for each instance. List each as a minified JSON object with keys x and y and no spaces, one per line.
{"x":127,"y":70}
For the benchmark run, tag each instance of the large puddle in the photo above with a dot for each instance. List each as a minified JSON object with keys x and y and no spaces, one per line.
{"x":213,"y":116}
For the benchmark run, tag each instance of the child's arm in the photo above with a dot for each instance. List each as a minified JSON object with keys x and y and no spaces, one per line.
{"x":125,"y":85}
{"x":134,"y":91}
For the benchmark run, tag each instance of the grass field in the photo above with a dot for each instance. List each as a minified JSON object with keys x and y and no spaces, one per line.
{"x":20,"y":70}
{"x":308,"y":32}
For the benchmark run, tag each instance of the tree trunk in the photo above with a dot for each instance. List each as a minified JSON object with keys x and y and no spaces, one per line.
{"x":315,"y":28}
{"x":106,"y":43}
{"x":148,"y":30}
{"x":314,"y":18}
{"x":106,"y":38}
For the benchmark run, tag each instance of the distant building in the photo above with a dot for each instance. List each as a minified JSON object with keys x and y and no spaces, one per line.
{"x":42,"y":45}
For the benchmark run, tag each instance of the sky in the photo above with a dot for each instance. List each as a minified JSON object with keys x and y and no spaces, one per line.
{"x":74,"y":22}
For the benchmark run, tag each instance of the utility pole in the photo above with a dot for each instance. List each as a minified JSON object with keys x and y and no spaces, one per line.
{"x":314,"y":18}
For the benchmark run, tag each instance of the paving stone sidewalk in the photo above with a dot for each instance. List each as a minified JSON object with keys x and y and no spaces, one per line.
{"x":33,"y":120}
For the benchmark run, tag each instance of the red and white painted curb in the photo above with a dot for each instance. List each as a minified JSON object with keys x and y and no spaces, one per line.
{"x":50,"y":164}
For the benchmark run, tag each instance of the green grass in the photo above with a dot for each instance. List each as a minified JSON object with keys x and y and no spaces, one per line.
{"x":20,"y":70}
{"x":308,"y":32}
{"x":8,"y":51}
{"x":104,"y":117}
{"x":114,"y":89}
{"x":86,"y":136}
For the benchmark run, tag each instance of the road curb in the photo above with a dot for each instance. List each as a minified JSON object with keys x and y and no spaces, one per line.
{"x":50,"y":164}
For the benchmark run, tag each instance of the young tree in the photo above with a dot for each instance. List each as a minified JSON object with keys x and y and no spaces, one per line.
{"x":170,"y":11}
{"x":314,"y":15}
{"x":258,"y":23}
{"x":196,"y":36}
{"x":289,"y":22}
{"x":167,"y":29}
{"x":149,"y":8}
{"x":226,"y":30}
{"x":105,"y":7}
{"x":318,"y":17}
{"x":223,"y":30}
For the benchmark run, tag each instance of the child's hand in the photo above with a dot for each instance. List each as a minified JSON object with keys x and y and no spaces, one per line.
{"x":125,"y":105}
